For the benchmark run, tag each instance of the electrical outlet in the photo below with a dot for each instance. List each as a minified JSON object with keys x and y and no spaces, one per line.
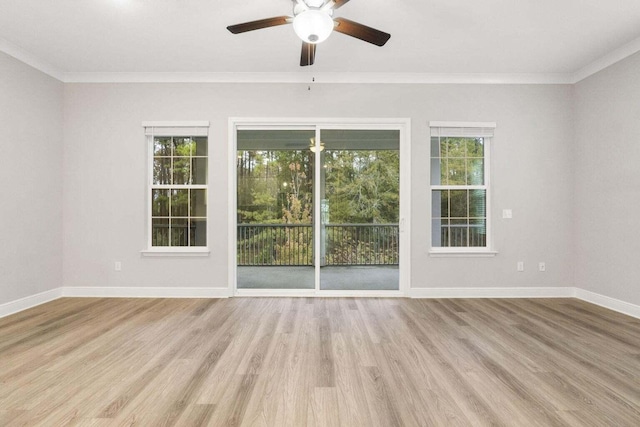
{"x":118,"y":266}
{"x":542,"y":266}
{"x":520,"y":266}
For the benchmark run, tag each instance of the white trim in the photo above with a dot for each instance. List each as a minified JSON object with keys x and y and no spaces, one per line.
{"x":173,"y":251}
{"x":31,"y":301}
{"x":403,"y":125}
{"x":607,"y":60}
{"x":404,"y":225}
{"x":143,"y":292}
{"x":275,"y":293}
{"x":319,"y":78}
{"x":316,"y":293}
{"x":317,"y":201}
{"x":186,"y":252}
{"x":471,"y":127}
{"x":176,"y":124}
{"x":31,"y":60}
{"x":232,"y":221}
{"x":437,"y":124}
{"x":608,"y":302}
{"x":529,"y":292}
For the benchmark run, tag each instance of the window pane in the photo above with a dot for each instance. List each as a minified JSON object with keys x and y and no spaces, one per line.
{"x":459,"y":232}
{"x":455,"y":147}
{"x":477,"y":232}
{"x":475,"y":171}
{"x":458,"y":201}
{"x":161,"y":146}
{"x":477,"y":203}
{"x":440,"y":203}
{"x":444,"y":171}
{"x":435,"y":147}
{"x":182,"y":146}
{"x":179,"y":203}
{"x":179,"y":232}
{"x":181,"y":170}
{"x":475,"y":147}
{"x":160,"y":232}
{"x":198,"y":232}
{"x":159,"y":202}
{"x":439,"y":232}
{"x":456,"y":172}
{"x":435,"y":172}
{"x":198,"y":203}
{"x":199,"y":171}
{"x":201,"y":148}
{"x":162,"y":171}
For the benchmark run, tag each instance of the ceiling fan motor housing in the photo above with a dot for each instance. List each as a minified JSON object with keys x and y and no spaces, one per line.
{"x":313,"y":25}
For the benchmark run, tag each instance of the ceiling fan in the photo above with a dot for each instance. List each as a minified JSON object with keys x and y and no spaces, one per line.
{"x":313,"y":22}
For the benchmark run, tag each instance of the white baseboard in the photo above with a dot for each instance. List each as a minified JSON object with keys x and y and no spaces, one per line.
{"x":313,"y":293}
{"x":25,"y":303}
{"x":608,"y":302}
{"x":164,"y":292}
{"x":532,"y":292}
{"x":144,"y":292}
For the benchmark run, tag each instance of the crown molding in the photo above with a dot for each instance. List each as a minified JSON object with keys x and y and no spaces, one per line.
{"x":607,"y":60}
{"x":319,"y":78}
{"x":30,"y":59}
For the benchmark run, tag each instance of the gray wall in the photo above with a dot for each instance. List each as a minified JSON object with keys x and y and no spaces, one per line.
{"x":105,"y":174}
{"x":31,"y":177}
{"x":607,"y":177}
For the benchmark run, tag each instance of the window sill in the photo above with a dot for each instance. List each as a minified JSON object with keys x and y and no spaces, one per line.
{"x":171,"y":252}
{"x":462,"y":254}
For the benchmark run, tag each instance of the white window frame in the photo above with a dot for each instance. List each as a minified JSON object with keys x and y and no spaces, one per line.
{"x":469,"y":129}
{"x":319,"y":124}
{"x":176,"y":129}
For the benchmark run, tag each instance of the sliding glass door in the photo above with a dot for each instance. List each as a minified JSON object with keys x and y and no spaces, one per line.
{"x":275,"y":238}
{"x":318,"y":209}
{"x":360,"y":209}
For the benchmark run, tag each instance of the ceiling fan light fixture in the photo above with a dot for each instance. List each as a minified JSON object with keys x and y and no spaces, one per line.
{"x":313,"y":25}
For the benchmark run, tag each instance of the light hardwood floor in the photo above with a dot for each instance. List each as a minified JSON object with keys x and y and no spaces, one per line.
{"x":319,"y":362}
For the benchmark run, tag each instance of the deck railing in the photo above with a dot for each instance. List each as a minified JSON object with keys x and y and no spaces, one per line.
{"x":463,"y":235}
{"x":275,"y":244}
{"x":361,"y":244}
{"x":292,"y":244}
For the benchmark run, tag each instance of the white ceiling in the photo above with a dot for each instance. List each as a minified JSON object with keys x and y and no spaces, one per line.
{"x":427,"y":36}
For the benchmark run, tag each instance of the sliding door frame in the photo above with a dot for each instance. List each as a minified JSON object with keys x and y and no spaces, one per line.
{"x":403,"y":125}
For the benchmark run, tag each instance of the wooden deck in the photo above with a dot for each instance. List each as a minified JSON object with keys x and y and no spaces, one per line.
{"x":319,"y":362}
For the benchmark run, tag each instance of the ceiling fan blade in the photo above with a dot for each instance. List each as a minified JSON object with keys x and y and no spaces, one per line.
{"x":360,"y":31}
{"x":335,"y":4}
{"x":308,"y":54}
{"x":259,"y":24}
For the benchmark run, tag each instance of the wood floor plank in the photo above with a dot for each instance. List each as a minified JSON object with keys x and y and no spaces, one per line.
{"x":319,"y":362}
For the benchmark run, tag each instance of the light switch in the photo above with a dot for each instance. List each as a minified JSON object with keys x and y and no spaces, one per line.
{"x":507,"y":213}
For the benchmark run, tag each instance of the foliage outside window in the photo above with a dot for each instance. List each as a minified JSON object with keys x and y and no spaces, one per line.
{"x":178,"y":188}
{"x":360,"y":191}
{"x":459,"y":186}
{"x":275,"y":187}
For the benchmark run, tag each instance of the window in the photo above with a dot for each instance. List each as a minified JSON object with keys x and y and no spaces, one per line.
{"x":177,"y":184}
{"x":460,"y":186}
